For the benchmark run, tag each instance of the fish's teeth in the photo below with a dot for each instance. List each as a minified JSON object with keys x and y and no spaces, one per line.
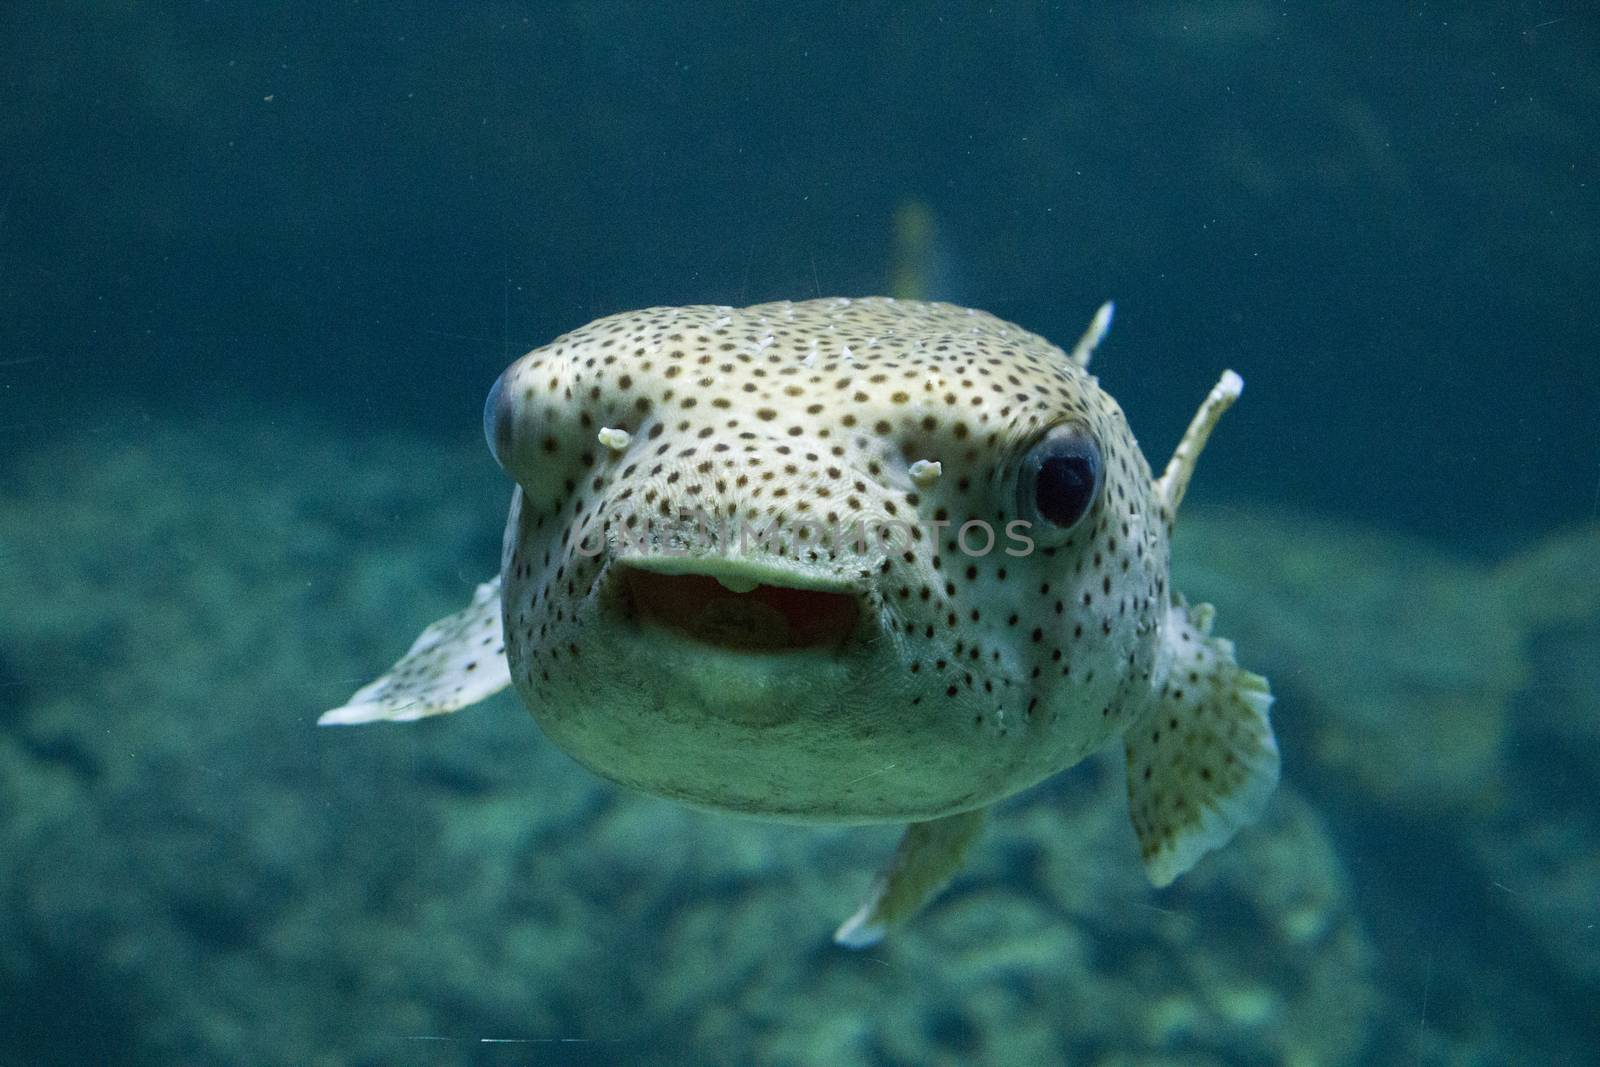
{"x":735,"y":583}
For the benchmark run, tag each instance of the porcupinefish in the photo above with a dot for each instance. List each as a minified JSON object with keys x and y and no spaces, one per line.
{"x":948,"y":581}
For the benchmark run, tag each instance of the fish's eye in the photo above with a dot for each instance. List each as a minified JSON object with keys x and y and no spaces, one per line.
{"x":1060,"y":478}
{"x":496,"y":426}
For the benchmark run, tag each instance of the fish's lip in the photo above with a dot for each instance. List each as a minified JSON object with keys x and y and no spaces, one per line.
{"x":760,"y":571}
{"x":813,"y":612}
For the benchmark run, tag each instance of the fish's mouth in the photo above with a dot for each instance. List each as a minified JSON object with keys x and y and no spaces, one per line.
{"x":739,"y":612}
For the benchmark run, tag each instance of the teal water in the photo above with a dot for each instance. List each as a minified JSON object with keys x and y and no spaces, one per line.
{"x":259,"y":266}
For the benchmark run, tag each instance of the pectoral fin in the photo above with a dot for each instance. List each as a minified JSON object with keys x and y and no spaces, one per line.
{"x":928,"y":856}
{"x":1202,"y":760}
{"x":456,"y":662}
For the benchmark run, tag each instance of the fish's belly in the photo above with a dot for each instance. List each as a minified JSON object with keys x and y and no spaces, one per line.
{"x":804,"y":735}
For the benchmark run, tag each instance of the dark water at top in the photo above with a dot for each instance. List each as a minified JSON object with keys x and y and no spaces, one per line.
{"x":1385,"y":219}
{"x":340,"y":221}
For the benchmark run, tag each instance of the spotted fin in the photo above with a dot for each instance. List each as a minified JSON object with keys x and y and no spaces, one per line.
{"x":1202,"y":760}
{"x":456,"y":662}
{"x":928,"y":856}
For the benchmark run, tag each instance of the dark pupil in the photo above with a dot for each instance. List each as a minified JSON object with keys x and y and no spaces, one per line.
{"x":1064,"y":488}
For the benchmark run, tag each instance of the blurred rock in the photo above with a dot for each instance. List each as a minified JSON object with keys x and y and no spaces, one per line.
{"x":1396,"y":661}
{"x":176,"y":829}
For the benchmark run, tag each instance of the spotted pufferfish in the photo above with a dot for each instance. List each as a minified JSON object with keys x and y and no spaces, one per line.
{"x":950,"y":581}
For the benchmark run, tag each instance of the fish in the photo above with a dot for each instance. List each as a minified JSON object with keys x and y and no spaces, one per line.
{"x":849,"y":561}
{"x":923,"y":263}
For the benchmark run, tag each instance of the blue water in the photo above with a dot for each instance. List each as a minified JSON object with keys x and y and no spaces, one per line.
{"x":259,"y":265}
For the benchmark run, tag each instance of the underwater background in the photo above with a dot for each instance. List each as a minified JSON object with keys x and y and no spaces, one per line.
{"x":259,"y":264}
